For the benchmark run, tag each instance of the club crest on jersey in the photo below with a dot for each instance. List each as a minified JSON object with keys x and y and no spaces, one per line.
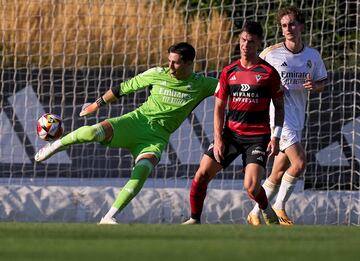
{"x":309,"y":64}
{"x":258,"y":77}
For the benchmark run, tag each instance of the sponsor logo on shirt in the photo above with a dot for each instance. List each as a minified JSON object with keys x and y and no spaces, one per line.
{"x":244,"y":96}
{"x":245,"y":87}
{"x":174,"y":97}
{"x":293,"y":77}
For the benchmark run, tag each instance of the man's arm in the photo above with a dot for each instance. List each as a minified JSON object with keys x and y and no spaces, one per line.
{"x":279,"y":111}
{"x":108,"y":97}
{"x":136,"y":83}
{"x":315,"y":86}
{"x":273,"y":146}
{"x":219,"y":112}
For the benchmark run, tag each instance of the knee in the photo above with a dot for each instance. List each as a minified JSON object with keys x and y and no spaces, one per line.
{"x":299,"y":166}
{"x":202,"y":176}
{"x":86,"y":133}
{"x":252,"y":187}
{"x":252,"y":191}
{"x":276,"y":177}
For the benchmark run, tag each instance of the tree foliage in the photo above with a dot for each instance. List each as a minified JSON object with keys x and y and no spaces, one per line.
{"x":331,"y":25}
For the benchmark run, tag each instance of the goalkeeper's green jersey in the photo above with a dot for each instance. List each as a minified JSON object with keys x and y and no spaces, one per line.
{"x":171,"y":100}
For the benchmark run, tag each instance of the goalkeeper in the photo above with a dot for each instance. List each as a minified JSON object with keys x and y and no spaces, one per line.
{"x":145,"y":132}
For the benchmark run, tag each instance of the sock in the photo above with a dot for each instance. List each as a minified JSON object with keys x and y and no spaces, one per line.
{"x":197,"y":197}
{"x":286,"y":188}
{"x":271,"y":190}
{"x":111,"y":213}
{"x":261,"y":199}
{"x":84,"y":134}
{"x":140,"y":172}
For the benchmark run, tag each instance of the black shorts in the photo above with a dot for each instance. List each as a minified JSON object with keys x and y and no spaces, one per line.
{"x":252,"y":148}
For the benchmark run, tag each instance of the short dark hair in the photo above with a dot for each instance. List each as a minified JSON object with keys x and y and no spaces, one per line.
{"x":253,"y":28}
{"x":185,"y":50}
{"x":291,"y":10}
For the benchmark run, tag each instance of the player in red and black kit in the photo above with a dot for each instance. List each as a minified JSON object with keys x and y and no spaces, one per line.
{"x":246,"y":86}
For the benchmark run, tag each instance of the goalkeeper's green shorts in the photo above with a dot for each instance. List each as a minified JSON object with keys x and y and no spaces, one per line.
{"x":134,"y":131}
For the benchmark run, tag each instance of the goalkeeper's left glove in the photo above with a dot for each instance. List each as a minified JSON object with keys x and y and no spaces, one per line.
{"x":89,"y":108}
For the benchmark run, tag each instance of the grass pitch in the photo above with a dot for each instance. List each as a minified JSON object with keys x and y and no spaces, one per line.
{"x":66,"y":242}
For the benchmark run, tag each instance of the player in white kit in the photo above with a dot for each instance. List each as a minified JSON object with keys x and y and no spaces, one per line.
{"x":301,"y":70}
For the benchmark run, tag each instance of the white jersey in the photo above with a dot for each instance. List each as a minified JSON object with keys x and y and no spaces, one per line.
{"x":293,"y":69}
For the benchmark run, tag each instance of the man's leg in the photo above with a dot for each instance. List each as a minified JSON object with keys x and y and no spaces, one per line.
{"x":206,"y":172}
{"x":142,"y":169}
{"x":98,"y":132}
{"x":270,"y":190}
{"x":296,"y":156}
{"x":271,"y":186}
{"x":253,"y":174}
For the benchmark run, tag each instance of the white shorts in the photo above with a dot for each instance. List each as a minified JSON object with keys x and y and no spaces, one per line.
{"x":288,"y":138}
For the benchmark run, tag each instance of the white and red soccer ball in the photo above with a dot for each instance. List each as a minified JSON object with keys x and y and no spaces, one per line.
{"x":50,"y":127}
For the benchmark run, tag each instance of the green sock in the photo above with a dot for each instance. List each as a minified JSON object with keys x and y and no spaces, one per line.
{"x":84,"y":134}
{"x":140,"y":172}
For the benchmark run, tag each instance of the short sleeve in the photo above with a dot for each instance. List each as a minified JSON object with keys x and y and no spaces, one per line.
{"x":320,"y":72}
{"x":276,"y":90}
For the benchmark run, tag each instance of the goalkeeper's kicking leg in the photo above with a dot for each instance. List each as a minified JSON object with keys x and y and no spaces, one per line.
{"x":103,"y":132}
{"x":99,"y":132}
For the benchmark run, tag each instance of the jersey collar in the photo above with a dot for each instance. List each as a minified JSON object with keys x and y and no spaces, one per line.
{"x":302,"y":49}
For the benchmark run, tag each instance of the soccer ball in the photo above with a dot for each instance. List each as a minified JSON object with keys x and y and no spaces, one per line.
{"x":50,"y":127}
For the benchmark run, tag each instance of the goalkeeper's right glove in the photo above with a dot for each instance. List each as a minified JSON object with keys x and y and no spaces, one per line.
{"x":89,"y":108}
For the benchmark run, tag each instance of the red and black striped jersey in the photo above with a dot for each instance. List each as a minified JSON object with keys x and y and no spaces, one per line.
{"x":248,"y":92}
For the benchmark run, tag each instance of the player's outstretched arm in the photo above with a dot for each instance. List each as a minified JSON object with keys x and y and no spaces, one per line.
{"x":108,"y":97}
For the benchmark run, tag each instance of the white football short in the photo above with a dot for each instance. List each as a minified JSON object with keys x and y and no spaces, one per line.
{"x":288,"y":138}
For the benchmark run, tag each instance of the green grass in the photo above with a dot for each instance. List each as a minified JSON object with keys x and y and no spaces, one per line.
{"x":66,"y":242}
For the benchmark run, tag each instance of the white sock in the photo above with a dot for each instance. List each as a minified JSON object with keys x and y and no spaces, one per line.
{"x":286,"y":188}
{"x":270,"y":189}
{"x":111,"y":213}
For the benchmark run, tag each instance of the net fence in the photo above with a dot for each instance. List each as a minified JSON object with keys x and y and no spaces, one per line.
{"x":58,"y":55}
